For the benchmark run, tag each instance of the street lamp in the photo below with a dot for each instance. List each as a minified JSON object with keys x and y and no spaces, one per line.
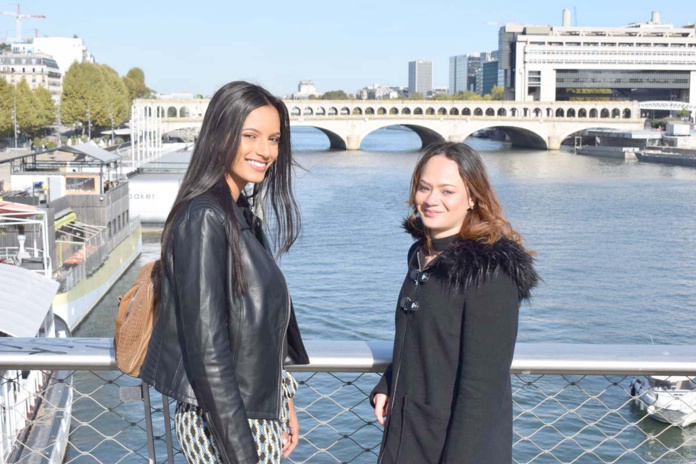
{"x":89,"y":125}
{"x":59,"y":142}
{"x":111,"y":115}
{"x":14,"y":121}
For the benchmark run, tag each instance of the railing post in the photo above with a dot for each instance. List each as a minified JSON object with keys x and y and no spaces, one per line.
{"x":168,"y":429}
{"x":148,"y":423}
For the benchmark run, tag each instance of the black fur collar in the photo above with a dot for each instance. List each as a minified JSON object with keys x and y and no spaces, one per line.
{"x":470,"y":262}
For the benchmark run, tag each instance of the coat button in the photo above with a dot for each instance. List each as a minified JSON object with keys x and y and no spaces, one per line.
{"x":423,"y":277}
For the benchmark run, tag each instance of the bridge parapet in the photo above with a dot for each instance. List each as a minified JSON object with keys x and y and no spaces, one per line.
{"x":347,"y":122}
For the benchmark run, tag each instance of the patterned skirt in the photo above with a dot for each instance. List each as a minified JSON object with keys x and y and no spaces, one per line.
{"x":196,"y":439}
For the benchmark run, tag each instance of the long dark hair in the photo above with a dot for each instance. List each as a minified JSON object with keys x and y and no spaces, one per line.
{"x":485,"y":221}
{"x":214,"y":153}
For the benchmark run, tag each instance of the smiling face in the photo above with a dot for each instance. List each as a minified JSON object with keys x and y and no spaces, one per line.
{"x":442,"y":200}
{"x":258,"y":149}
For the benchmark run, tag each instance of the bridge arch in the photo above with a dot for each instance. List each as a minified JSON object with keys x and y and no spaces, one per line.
{"x":442,"y":111}
{"x":308,"y":112}
{"x":519,"y":136}
{"x":559,"y":113}
{"x":357,"y":111}
{"x":172,"y":112}
{"x":627,"y":113}
{"x":369,"y":110}
{"x":336,"y":141}
{"x":454,"y":112}
{"x":478,"y":112}
{"x":184,"y":112}
{"x":333,"y":111}
{"x":345,"y":111}
{"x":430,"y":111}
{"x":604,"y":114}
{"x":321,"y":111}
{"x":394,"y":110}
{"x":490,"y":112}
{"x":406,"y":111}
{"x":418,"y":111}
{"x":295,"y":111}
{"x":466,"y":112}
{"x":426,"y":134}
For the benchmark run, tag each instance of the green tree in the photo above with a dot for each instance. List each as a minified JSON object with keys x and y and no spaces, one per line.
{"x":117,"y":98}
{"x":416,"y":96}
{"x":98,"y":90}
{"x":135,"y":82}
{"x":28,"y":118}
{"x":469,"y":95}
{"x":45,"y":108}
{"x":497,"y":93}
{"x":335,"y":95}
{"x":83,"y":90}
{"x":6,"y":108}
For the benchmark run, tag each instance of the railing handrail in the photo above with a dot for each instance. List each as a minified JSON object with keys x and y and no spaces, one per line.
{"x":374,"y":356}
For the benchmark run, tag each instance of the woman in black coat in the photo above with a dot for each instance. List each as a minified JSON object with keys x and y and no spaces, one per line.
{"x":447,"y":393}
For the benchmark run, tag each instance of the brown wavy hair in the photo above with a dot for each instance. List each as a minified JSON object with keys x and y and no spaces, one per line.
{"x":485,"y":221}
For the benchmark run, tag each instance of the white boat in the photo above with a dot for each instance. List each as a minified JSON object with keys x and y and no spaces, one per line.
{"x":96,"y":237}
{"x":36,"y":405}
{"x":668,"y":399}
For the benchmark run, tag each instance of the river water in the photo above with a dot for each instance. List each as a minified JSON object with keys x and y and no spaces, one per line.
{"x":615,"y":246}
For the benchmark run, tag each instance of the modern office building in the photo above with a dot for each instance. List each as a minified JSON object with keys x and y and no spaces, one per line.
{"x":485,"y":79}
{"x":457,"y":74}
{"x":473,"y":65}
{"x":640,"y":61}
{"x":420,"y":77}
{"x":488,"y":77}
{"x":37,"y":69}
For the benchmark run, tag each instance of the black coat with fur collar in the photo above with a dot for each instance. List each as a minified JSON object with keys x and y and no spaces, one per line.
{"x":449,"y":390}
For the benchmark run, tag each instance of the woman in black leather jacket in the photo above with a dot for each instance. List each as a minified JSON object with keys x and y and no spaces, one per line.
{"x":226,"y":325}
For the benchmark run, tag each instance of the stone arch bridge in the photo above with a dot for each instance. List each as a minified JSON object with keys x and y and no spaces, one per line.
{"x":346,"y":123}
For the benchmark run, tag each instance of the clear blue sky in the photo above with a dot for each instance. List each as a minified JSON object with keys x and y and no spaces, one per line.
{"x":196,"y":46}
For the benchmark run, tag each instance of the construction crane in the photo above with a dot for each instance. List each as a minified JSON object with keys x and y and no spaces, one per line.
{"x":20,"y":17}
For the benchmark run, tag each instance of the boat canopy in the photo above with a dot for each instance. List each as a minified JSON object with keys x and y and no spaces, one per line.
{"x":93,"y":151}
{"x":26,"y":299}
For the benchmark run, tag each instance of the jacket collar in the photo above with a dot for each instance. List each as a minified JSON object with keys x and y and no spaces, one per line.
{"x":471,"y":262}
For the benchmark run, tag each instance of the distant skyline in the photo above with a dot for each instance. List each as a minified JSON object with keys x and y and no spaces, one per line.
{"x":198,"y":46}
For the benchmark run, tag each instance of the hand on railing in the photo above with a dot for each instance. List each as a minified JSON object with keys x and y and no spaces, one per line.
{"x":290,"y":440}
{"x":381,"y":404}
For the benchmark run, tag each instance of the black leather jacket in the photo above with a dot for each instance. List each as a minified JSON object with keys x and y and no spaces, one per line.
{"x":210,"y":348}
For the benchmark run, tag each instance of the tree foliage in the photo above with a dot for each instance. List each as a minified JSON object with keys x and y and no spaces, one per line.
{"x":46,"y":107}
{"x":135,"y":82}
{"x":35,"y":109}
{"x":336,"y":95}
{"x":6,"y":107}
{"x":95,"y":92}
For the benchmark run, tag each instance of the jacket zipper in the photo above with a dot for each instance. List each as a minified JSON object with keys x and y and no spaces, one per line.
{"x":401,"y":346}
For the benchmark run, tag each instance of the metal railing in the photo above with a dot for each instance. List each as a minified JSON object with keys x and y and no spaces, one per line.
{"x":572,"y":403}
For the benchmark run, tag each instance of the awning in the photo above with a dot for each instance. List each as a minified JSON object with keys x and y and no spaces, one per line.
{"x":12,"y":209}
{"x":26,"y":299}
{"x":65,"y":219}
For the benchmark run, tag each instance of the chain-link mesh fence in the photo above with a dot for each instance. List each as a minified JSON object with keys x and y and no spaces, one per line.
{"x":557,"y":419}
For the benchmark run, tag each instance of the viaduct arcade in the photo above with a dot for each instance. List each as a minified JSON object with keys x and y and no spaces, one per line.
{"x":542,"y":125}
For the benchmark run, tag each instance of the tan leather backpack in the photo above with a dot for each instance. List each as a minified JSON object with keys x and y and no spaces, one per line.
{"x":137,"y":314}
